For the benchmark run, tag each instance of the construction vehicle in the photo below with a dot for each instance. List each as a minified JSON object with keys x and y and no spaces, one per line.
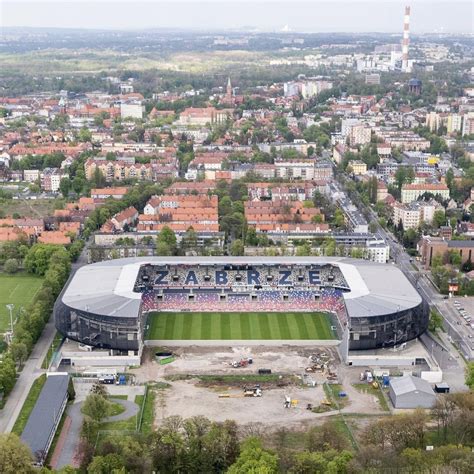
{"x":253,"y":392}
{"x":241,"y":363}
{"x":247,"y":392}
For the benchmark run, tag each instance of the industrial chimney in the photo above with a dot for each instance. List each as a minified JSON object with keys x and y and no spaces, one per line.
{"x":406,"y":40}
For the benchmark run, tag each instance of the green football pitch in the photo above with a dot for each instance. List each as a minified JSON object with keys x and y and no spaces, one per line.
{"x":234,"y":326}
{"x":18,"y":290}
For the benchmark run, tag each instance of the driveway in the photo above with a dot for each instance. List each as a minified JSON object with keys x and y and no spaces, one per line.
{"x":68,"y":447}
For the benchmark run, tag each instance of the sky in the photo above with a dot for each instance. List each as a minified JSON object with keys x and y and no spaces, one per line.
{"x":428,"y":16}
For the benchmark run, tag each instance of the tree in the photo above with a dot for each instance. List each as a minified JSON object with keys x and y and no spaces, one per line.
{"x":438,"y":218}
{"x":95,"y":406}
{"x":10,"y":266}
{"x":65,"y":186}
{"x":237,"y":248}
{"x":84,"y":135}
{"x":251,"y":237}
{"x":168,"y":237}
{"x":162,"y":249}
{"x":303,"y":250}
{"x":19,"y":352}
{"x":470,"y":375}
{"x":111,"y":463}
{"x":7,"y":375}
{"x":436,"y":321}
{"x":15,"y":457}
{"x":99,"y":389}
{"x":189,"y":240}
{"x":254,"y":459}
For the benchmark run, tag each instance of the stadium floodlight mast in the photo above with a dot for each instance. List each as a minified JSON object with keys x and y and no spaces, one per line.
{"x":10,"y":308}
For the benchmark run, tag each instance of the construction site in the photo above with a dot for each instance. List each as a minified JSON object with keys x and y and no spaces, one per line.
{"x":271,"y":385}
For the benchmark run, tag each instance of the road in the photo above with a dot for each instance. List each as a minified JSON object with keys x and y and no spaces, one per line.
{"x":459,"y":333}
{"x":32,"y":368}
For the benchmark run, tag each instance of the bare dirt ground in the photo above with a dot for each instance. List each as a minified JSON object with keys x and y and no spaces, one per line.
{"x":191,"y":397}
{"x":198,"y":360}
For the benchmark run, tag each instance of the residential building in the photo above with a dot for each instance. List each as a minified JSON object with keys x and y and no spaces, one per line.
{"x":358,"y":167}
{"x":468,"y":124}
{"x":411,"y":192}
{"x":454,"y":123}
{"x":372,"y":79}
{"x":382,"y":191}
{"x":31,"y":176}
{"x":105,"y":193}
{"x":268,"y":216}
{"x":302,"y":169}
{"x":179,"y":212}
{"x":51,"y":179}
{"x":132,"y":110}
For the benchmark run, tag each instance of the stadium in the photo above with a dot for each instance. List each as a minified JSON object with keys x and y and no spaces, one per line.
{"x":115,"y":304}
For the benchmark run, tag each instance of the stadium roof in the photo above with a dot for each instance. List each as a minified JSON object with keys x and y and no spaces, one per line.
{"x":106,"y":288}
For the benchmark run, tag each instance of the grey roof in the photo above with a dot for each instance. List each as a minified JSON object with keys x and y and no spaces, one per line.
{"x":410,"y":384}
{"x":106,"y":288}
{"x":45,"y":414}
{"x":469,"y":244}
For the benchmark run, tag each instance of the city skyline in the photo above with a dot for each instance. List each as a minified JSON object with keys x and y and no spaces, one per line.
{"x":261,"y":15}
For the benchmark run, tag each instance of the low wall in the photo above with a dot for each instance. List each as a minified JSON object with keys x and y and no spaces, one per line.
{"x":241,"y":342}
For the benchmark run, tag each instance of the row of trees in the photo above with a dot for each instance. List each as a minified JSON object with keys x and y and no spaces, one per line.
{"x":195,"y":445}
{"x":54,"y":264}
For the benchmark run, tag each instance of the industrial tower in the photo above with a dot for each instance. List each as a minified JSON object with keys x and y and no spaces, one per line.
{"x":406,"y":40}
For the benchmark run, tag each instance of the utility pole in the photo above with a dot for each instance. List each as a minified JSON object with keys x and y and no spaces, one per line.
{"x":10,"y":308}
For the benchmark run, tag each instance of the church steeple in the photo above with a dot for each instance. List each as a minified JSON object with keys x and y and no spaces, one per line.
{"x":229,"y":90}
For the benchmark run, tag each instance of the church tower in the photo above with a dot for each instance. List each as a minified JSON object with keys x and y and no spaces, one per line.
{"x":229,"y":91}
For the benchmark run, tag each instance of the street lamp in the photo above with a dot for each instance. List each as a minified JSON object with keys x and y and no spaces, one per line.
{"x":10,"y":308}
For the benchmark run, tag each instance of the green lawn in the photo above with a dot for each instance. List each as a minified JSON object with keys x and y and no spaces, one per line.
{"x":29,"y":404}
{"x":231,"y":326}
{"x":16,"y":289}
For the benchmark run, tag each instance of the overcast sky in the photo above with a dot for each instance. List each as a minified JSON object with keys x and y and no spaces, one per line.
{"x":428,"y":16}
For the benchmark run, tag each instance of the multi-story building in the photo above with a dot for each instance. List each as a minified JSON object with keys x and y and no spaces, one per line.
{"x":454,"y":123}
{"x":180,"y":212}
{"x":302,"y":169}
{"x":411,"y":192}
{"x":372,"y":79}
{"x":323,"y":170}
{"x":31,"y":176}
{"x":431,"y":247}
{"x":51,"y":179}
{"x":358,"y":167}
{"x":120,"y":170}
{"x":203,"y":116}
{"x":468,"y":124}
{"x":132,"y":110}
{"x":269,"y":215}
{"x":357,"y":132}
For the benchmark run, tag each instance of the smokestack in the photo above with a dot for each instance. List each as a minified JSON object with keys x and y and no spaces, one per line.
{"x":406,"y":40}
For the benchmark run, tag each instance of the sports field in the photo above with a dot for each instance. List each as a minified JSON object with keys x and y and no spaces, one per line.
{"x":234,"y":326}
{"x":18,"y":290}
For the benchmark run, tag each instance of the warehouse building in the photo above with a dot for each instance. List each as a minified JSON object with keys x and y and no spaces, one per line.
{"x":411,"y":392}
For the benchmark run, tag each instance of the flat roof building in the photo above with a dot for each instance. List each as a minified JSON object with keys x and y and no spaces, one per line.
{"x":46,"y":415}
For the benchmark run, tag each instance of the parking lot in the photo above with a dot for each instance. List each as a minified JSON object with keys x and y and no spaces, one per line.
{"x":464,"y":310}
